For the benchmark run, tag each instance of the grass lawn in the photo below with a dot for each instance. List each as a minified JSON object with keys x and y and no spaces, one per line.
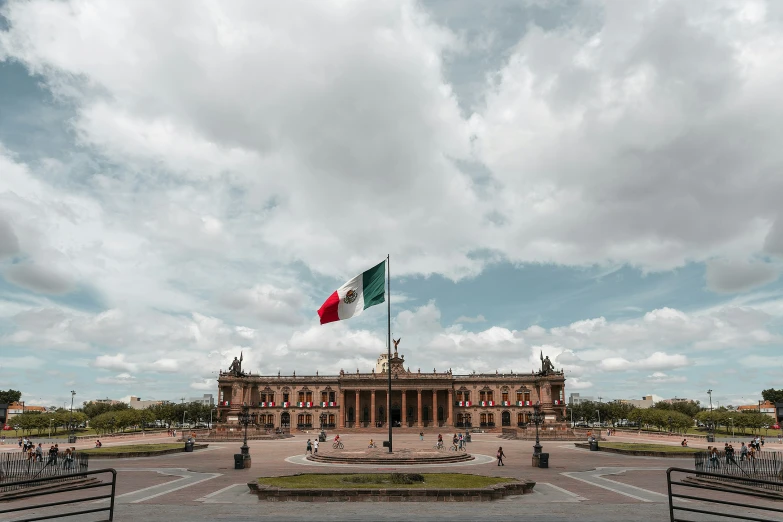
{"x":647,"y":447}
{"x":134,"y":448}
{"x":379,"y":480}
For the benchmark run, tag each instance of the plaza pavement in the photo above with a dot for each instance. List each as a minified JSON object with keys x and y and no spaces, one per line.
{"x":590,"y":486}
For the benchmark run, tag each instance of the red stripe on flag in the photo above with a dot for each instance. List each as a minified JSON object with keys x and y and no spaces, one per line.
{"x":328,"y":310}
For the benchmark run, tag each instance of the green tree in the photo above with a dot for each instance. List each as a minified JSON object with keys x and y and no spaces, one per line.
{"x":9,"y":396}
{"x":772,"y":395}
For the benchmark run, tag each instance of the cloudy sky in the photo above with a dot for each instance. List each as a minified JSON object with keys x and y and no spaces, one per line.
{"x":597,"y":181}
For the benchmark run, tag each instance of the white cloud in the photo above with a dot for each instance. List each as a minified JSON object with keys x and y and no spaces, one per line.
{"x":464,"y":319}
{"x":114,"y":362}
{"x":661,"y":378}
{"x":267,"y":303}
{"x":656,"y":361}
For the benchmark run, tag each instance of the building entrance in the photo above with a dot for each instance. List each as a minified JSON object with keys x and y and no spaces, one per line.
{"x":396,"y":415}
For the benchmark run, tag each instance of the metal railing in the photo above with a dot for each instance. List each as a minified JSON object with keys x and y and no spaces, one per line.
{"x":720,"y":500}
{"x":29,"y":504}
{"x":18,"y":466}
{"x":766,"y":466}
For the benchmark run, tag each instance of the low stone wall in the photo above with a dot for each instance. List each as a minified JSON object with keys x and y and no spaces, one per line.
{"x":496,"y":492}
{"x":662,"y":454}
{"x":391,"y":460}
{"x":143,"y":453}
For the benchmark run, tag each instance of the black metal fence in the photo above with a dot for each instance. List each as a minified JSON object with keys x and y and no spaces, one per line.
{"x":736,"y":468}
{"x":710,"y":497}
{"x":27,"y":502}
{"x":18,"y":466}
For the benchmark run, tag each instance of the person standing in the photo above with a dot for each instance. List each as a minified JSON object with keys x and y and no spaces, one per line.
{"x":500,"y":456}
{"x":309,"y":447}
{"x":315,"y":446}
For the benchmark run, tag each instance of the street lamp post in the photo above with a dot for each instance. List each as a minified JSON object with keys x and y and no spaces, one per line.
{"x":244,"y":419}
{"x":537,"y":420}
{"x":599,"y":417}
{"x":71,"y":438}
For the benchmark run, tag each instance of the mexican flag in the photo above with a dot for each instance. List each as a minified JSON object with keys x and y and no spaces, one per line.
{"x":351,"y":299}
{"x":328,"y":404}
{"x":506,"y":403}
{"x":285,"y":405}
{"x":558,"y":403}
{"x":305,"y":404}
{"x":487,"y":403}
{"x":464,"y":403}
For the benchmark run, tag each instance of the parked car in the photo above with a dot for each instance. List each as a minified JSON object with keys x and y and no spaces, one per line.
{"x":6,"y":427}
{"x":776,"y":426}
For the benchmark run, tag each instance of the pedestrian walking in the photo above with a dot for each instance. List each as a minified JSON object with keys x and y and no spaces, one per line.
{"x":315,"y":446}
{"x":421,"y":436}
{"x":500,"y":456}
{"x":309,"y":447}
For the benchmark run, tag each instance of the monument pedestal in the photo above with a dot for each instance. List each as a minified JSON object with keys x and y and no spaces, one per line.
{"x":536,"y":460}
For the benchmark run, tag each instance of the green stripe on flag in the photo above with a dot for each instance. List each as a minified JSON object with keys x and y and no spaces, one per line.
{"x":374,"y":288}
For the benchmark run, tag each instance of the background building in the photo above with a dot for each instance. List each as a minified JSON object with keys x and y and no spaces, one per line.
{"x":766,"y":407}
{"x":137,"y":404}
{"x":205,"y":400}
{"x":645,"y":402}
{"x":18,"y":408}
{"x":576,"y":399}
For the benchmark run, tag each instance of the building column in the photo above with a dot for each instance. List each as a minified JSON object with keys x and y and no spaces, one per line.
{"x":418,"y":410}
{"x":434,"y":407}
{"x":356,"y":414}
{"x":404,"y":413}
{"x":341,"y":409}
{"x":451,"y":406}
{"x":372,"y":408}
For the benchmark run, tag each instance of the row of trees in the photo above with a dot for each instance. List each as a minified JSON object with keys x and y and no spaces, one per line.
{"x":739,"y":421}
{"x":167,"y":414}
{"x":48,"y":422}
{"x":678,"y":416}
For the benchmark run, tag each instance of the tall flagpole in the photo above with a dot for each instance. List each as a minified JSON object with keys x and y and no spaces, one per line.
{"x":388,"y":345}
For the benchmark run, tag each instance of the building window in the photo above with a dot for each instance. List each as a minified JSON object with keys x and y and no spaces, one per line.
{"x":301,"y":397}
{"x":527,"y":395}
{"x":270,"y":397}
{"x":491,"y":418}
{"x":332,"y":397}
{"x":324,"y":397}
{"x":504,"y":396}
{"x":285,"y":397}
{"x":262,"y":397}
{"x":483,"y":419}
{"x":490,"y":396}
{"x":459,"y":396}
{"x":482,"y":395}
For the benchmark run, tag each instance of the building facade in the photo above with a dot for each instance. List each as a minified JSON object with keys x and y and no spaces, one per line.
{"x":418,"y":399}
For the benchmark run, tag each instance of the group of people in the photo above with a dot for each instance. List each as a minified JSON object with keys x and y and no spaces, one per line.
{"x":36,"y":453}
{"x":312,"y":447}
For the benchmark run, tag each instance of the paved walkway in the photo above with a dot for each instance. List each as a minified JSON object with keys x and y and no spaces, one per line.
{"x":203,"y":485}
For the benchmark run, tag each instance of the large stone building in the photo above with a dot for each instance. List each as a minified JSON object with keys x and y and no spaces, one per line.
{"x":419,"y":399}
